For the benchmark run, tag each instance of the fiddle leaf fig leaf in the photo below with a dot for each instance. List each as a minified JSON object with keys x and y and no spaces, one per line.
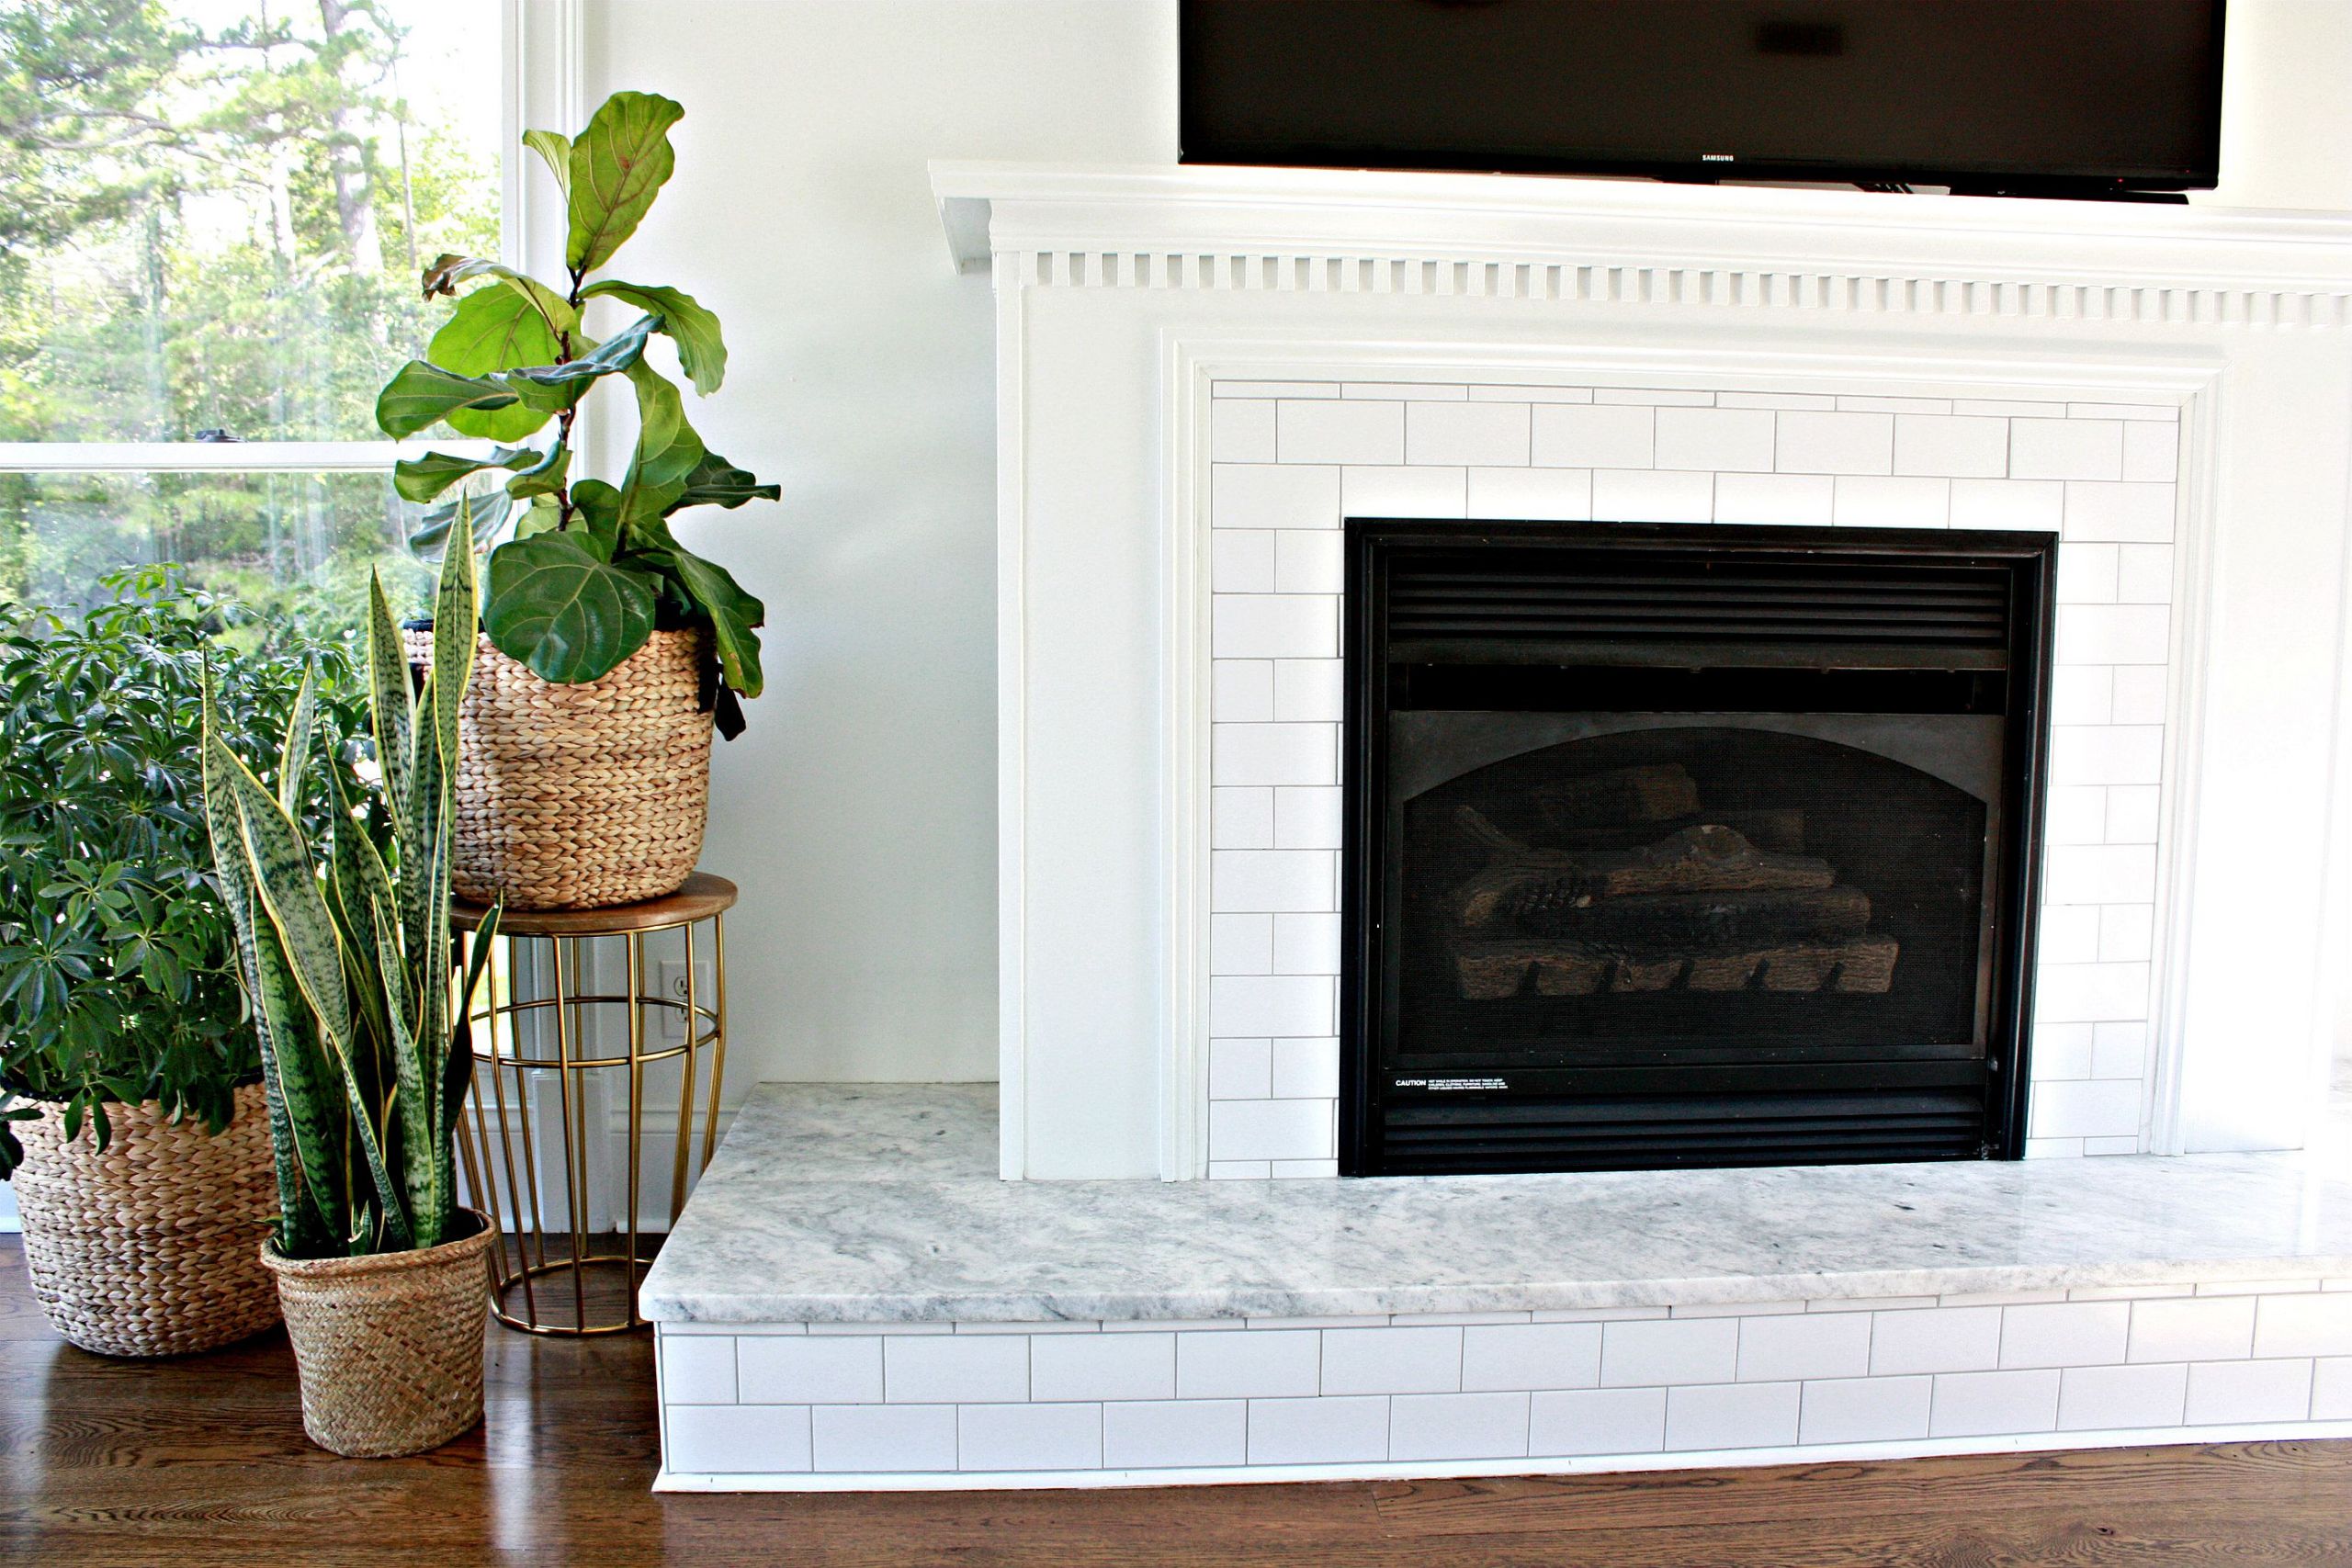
{"x":618,"y":164}
{"x":667,"y":447}
{"x":419,"y":394}
{"x":561,"y":611}
{"x":431,"y":535}
{"x":735,"y":618}
{"x":422,"y":479}
{"x":715,"y":482}
{"x":493,"y":330}
{"x":558,"y":386}
{"x":702,"y":353}
{"x":544,"y":516}
{"x":554,"y":149}
{"x":544,"y":476}
{"x":448,"y":271}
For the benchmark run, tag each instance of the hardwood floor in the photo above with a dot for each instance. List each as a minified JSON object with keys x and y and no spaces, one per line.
{"x":195,"y":1462}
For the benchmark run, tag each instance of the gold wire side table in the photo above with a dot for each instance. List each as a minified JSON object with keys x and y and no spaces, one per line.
{"x":566,"y":997}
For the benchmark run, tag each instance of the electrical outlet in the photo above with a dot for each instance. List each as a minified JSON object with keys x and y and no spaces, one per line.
{"x":671,"y":976}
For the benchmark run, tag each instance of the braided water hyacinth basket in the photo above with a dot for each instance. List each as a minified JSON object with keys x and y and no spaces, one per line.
{"x":147,"y":1248}
{"x":580,"y":797}
{"x":388,"y":1346}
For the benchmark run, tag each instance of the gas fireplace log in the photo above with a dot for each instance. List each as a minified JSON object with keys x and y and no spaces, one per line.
{"x":1712,"y":859}
{"x":1493,"y":971}
{"x":1777,"y":828}
{"x":1685,"y":921}
{"x":1651,"y":793}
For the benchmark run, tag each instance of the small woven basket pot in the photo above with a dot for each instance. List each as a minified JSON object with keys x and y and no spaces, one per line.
{"x":580,"y":797}
{"x":389,"y":1347}
{"x":147,"y":1249}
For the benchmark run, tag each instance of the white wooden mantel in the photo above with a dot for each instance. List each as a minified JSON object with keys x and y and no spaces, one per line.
{"x":1125,"y":294}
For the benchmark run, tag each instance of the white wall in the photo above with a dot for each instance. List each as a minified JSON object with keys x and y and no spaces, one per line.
{"x":858,"y":813}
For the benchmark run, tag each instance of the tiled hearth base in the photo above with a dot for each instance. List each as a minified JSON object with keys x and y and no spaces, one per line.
{"x":852,"y":1301}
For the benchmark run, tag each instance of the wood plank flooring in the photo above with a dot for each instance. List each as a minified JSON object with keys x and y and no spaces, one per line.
{"x":201,"y":1462}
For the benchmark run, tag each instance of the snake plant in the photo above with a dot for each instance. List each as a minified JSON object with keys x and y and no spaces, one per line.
{"x":343,"y":948}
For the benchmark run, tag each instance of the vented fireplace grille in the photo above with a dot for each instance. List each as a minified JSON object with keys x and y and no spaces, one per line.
{"x":1688,"y":845}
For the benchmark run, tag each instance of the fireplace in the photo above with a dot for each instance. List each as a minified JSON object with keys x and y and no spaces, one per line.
{"x":1688,"y":845}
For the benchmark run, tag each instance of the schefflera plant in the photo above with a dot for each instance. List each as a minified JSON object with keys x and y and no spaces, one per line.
{"x":589,"y":568}
{"x":343,"y":948}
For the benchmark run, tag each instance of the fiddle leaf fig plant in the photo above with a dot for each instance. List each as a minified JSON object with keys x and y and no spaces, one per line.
{"x":580,"y":571}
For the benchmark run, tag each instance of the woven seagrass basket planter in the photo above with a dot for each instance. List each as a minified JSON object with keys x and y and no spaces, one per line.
{"x":147,"y":1249}
{"x":580,"y":797}
{"x":389,"y":1347}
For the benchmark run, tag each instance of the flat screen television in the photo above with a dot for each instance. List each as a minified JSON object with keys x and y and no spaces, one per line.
{"x":2026,"y":96}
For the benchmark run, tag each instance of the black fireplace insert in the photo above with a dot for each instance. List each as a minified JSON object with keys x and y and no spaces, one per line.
{"x":1678,"y":845}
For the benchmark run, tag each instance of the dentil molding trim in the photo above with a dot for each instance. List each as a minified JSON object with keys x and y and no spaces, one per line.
{"x":1513,"y":237}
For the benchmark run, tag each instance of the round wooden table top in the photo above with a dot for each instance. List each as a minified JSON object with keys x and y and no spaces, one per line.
{"x":702,"y":896}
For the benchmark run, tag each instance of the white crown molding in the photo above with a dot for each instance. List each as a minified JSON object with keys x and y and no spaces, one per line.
{"x":1318,"y":230}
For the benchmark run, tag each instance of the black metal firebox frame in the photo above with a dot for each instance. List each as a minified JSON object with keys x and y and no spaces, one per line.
{"x":2020,"y":652}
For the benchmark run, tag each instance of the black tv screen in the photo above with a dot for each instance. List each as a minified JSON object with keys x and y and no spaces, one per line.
{"x":1973,"y":93}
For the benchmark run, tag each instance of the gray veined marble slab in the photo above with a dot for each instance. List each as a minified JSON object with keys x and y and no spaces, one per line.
{"x":878,"y":1204}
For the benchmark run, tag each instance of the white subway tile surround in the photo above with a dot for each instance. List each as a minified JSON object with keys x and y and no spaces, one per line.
{"x":2104,"y":477}
{"x":773,"y":1405}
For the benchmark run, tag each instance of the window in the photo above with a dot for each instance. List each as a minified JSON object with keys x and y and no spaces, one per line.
{"x":212,"y":217}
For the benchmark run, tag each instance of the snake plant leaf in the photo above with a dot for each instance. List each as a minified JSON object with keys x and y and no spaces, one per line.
{"x":422,"y":479}
{"x":411,"y":1109}
{"x":554,"y":149}
{"x":562,"y":611}
{"x":618,"y":164}
{"x":484,"y":942}
{"x":715,"y":482}
{"x":390,"y":701}
{"x":448,"y":271}
{"x":294,"y":757}
{"x":488,"y":512}
{"x":702,"y":352}
{"x":544,"y":476}
{"x":421,"y":393}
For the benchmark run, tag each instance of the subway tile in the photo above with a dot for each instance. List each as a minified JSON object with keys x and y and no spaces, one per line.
{"x":2120,"y":1050}
{"x":1392,"y":1360}
{"x":1274,"y":626}
{"x":1561,"y":495}
{"x":1308,"y":817}
{"x":1240,"y":1069}
{"x":1029,"y":1437}
{"x":1936,"y":1339}
{"x":1270,"y":1130}
{"x":1241,"y":561}
{"x":2097,"y":1109}
{"x":1305,"y":1170}
{"x":2126,"y":933}
{"x":812,"y":1369}
{"x":2143,"y":574}
{"x":1241,"y":944}
{"x":1272,"y":1006}
{"x":1806,"y":1345}
{"x":2121,"y":1399}
{"x":1677,"y":398}
{"x":1774,"y":401}
{"x":882,"y":1438}
{"x":2224,"y":1392}
{"x":2029,"y":505}
{"x":1718,"y":440}
{"x":2192,"y":1328}
{"x":2008,"y":408}
{"x":1532,"y":1354}
{"x":2143,"y":412}
{"x":2332,"y":1389}
{"x":1835,"y":443}
{"x":1952,"y":447}
{"x":1255,"y":1364}
{"x":735,"y":1439}
{"x":1865,"y":1410}
{"x":1242,"y":819}
{"x":1405,"y":391}
{"x":2082,"y":693}
{"x":2068,"y":934}
{"x":1319,"y":1431}
{"x":1787,"y":500}
{"x":1241,"y":430}
{"x":1271,"y":495}
{"x":698,"y":1369}
{"x":1869,"y":500}
{"x":2075,"y":814}
{"x":1596,"y":1421}
{"x":954,"y":1370}
{"x":2114,"y":634}
{"x":1858,"y":403}
{"x":1274,"y":388}
{"x":2091,"y":993}
{"x":1307,"y":1069}
{"x":1271,"y":881}
{"x":1306,"y":944}
{"x":1275,"y":754}
{"x":1466,"y":434}
{"x":2257,"y":1287}
{"x":1732,"y":1415}
{"x":2152,"y":451}
{"x":1971,"y":1404}
{"x":1403,"y":493}
{"x":885,"y":1329}
{"x":1240,"y":1170}
{"x":2306,"y":1325}
{"x":1640,"y":495}
{"x":1504,"y":394}
{"x":2087,"y":573}
{"x":2130,"y":514}
{"x":1677,"y":1350}
{"x":1242,"y":691}
{"x":1455,"y":1319}
{"x":2065,"y":1334}
{"x":1309,"y":690}
{"x":2066,"y":449}
{"x":2107,"y":753}
{"x":1308,"y":560}
{"x":1566,"y":435}
{"x":1165,"y":1434}
{"x":1457,"y":1426}
{"x":2059,"y":1050}
{"x":1344,"y":431}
